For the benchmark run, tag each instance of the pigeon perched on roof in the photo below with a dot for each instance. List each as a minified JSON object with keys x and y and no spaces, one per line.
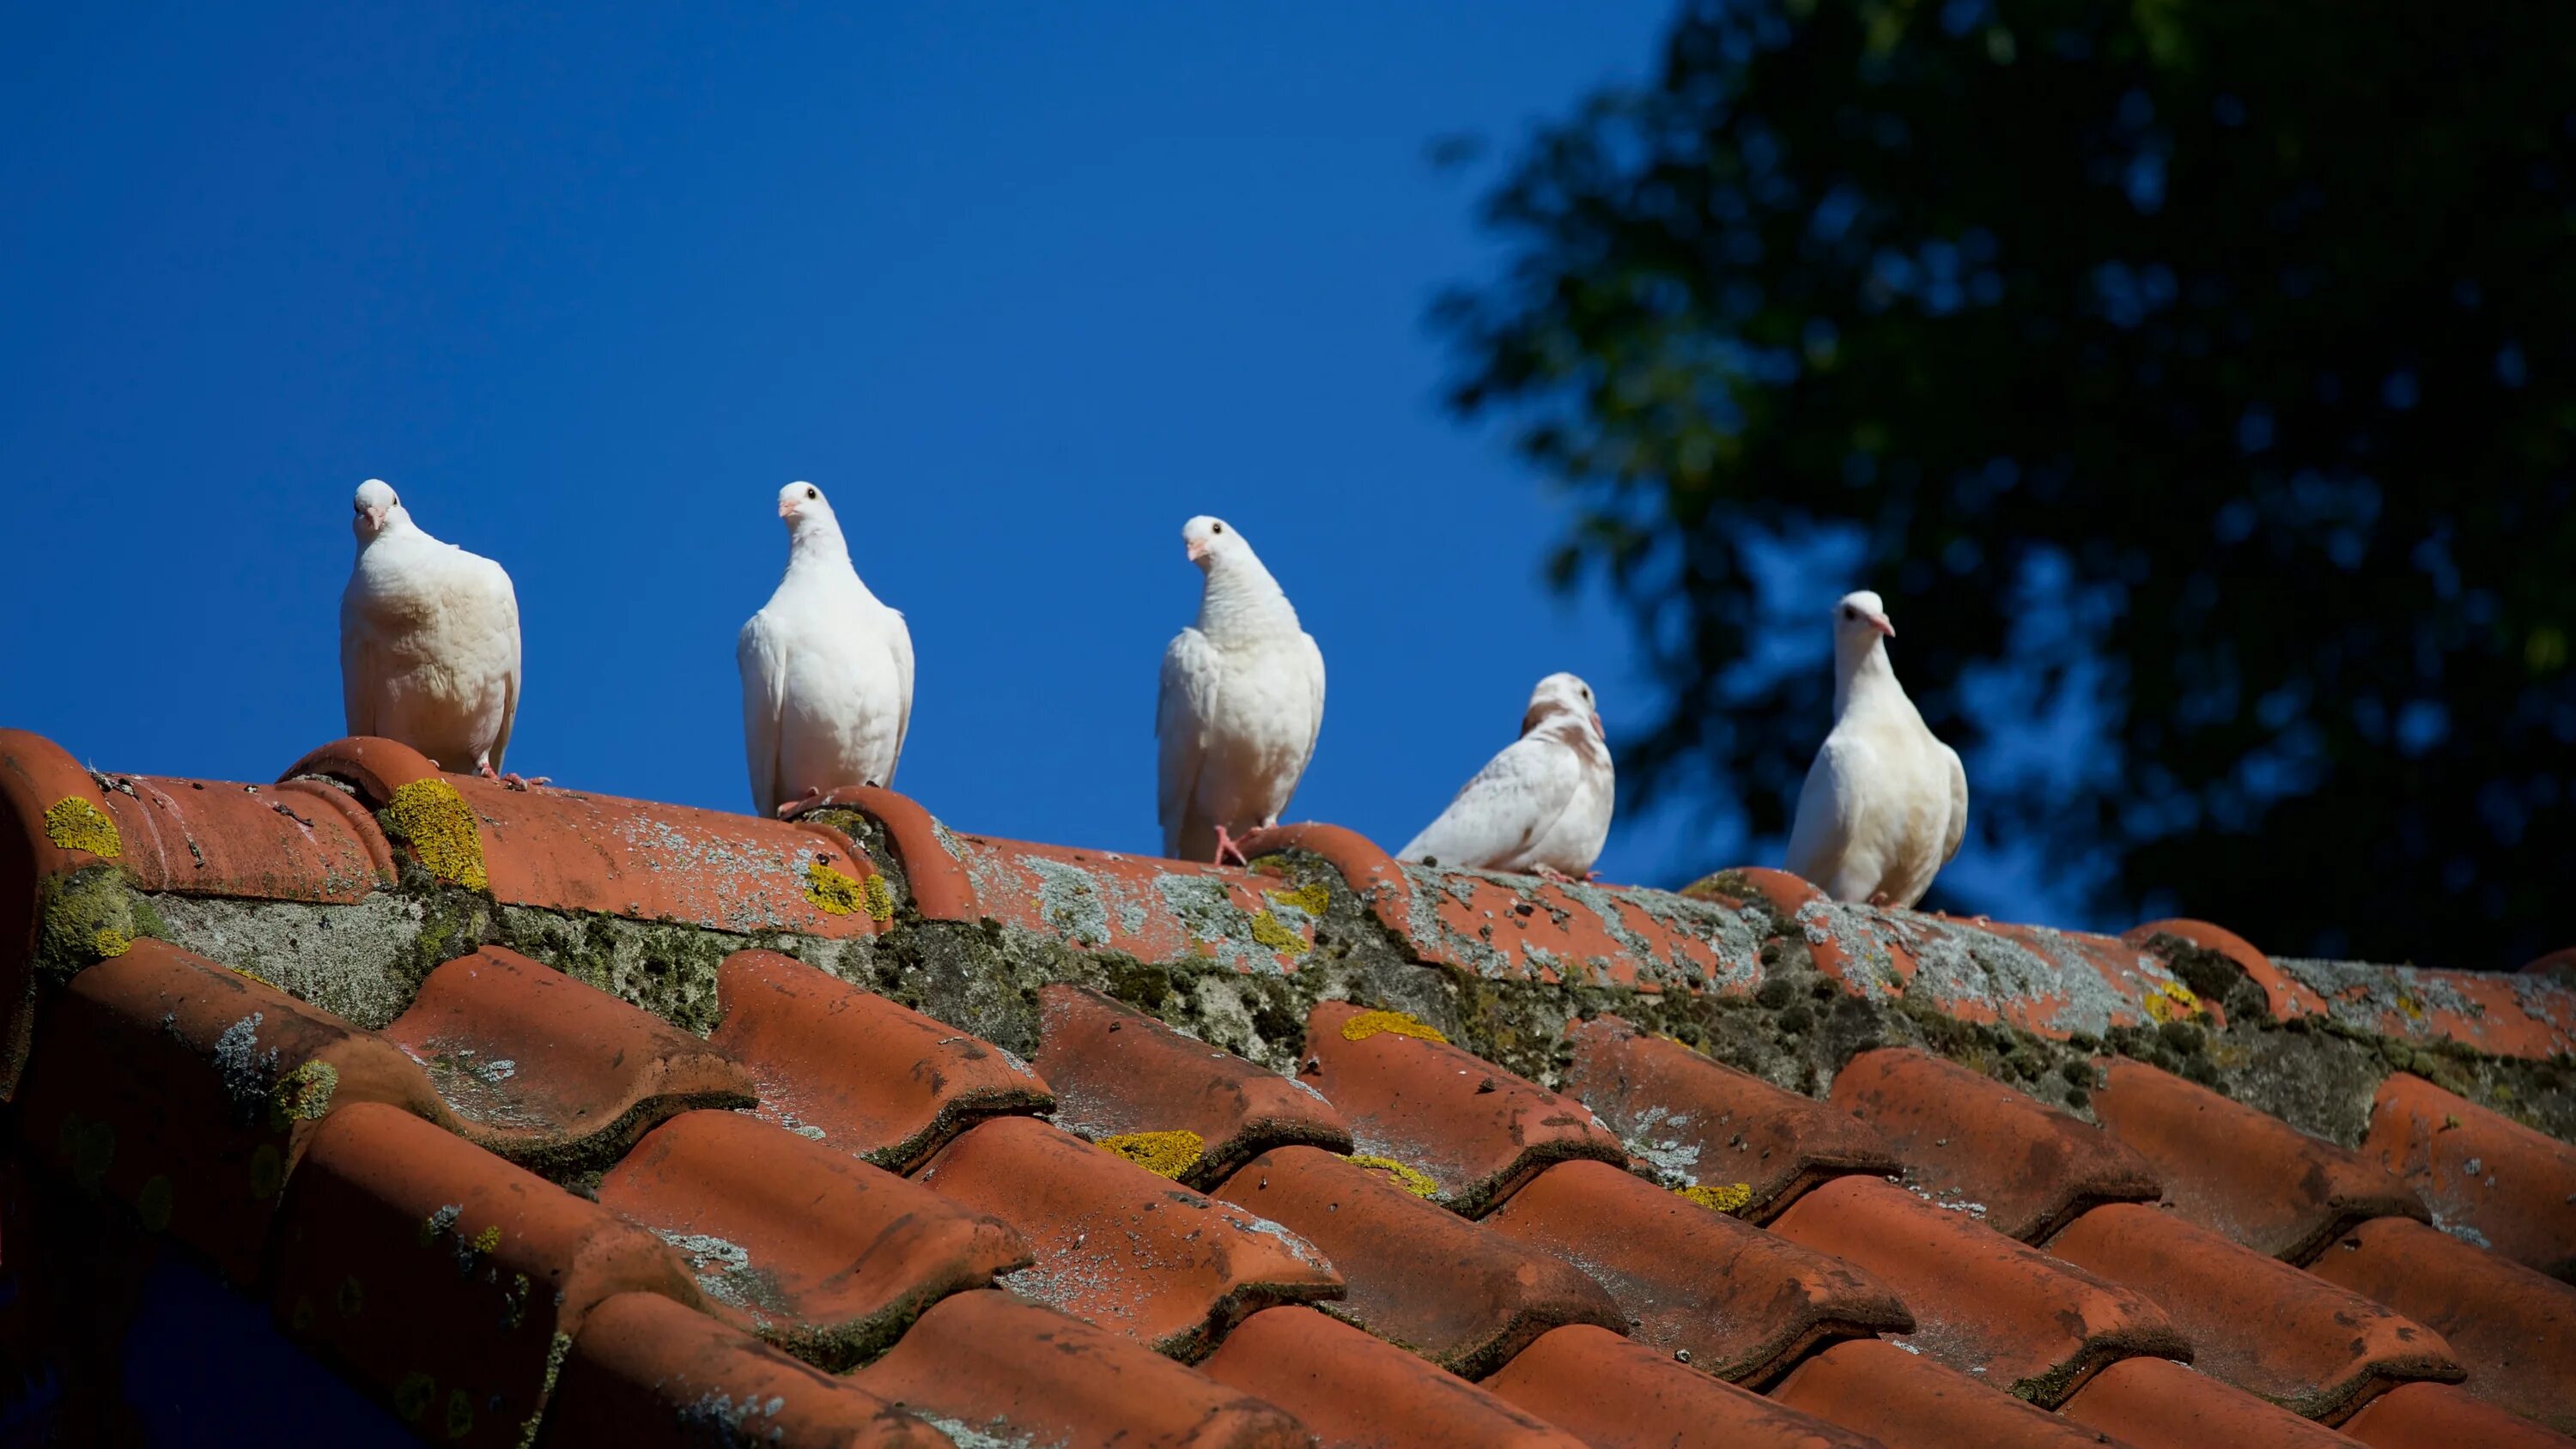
{"x":1542,"y":805}
{"x":1885,"y":803}
{"x":826,"y":669}
{"x":429,"y":641}
{"x":1242,"y":700}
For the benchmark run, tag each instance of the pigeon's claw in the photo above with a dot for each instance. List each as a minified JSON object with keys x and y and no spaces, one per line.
{"x":1880,"y":900}
{"x":1549,"y":872}
{"x":1225,"y":846}
{"x":514,"y":782}
{"x":811,"y":793}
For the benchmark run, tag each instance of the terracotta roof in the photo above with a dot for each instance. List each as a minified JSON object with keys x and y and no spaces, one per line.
{"x":546,"y":1118}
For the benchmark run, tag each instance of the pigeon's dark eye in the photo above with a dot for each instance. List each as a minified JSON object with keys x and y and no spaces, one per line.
{"x":810,"y":493}
{"x":1849,"y":612}
{"x":1220,"y":528}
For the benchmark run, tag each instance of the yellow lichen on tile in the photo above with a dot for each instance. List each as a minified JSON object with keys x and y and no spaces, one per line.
{"x":880,"y":899}
{"x":1370,"y":1023}
{"x":1313,"y":899}
{"x":248,"y":974}
{"x":439,"y":826}
{"x":832,"y":892}
{"x":1412,"y":1179}
{"x":1165,"y":1154}
{"x":1728,"y":1198}
{"x":1271,"y":932}
{"x":488,"y":1239}
{"x":75,"y":824}
{"x":2170,"y":1001}
{"x":303,"y":1094}
{"x":110,"y":942}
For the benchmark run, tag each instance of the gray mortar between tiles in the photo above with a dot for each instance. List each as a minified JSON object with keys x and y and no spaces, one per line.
{"x":364,"y":962}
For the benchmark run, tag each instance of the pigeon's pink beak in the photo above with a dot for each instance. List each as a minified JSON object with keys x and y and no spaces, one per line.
{"x":1196,"y":548}
{"x":375,"y":517}
{"x":1879,"y":622}
{"x":1596,"y":725}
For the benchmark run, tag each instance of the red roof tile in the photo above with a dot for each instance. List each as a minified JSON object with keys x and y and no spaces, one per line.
{"x":542,"y":1068}
{"x":1525,"y":928}
{"x":1983,"y":1303}
{"x":188,"y":1093}
{"x":1976,"y":1145}
{"x":646,"y":1373}
{"x":1874,"y":1387}
{"x":1356,"y":1392}
{"x":1742,"y":1303}
{"x":807,"y":1247}
{"x":991,"y":1364}
{"x":2275,"y":1332}
{"x":567,"y":850}
{"x":2150,"y":1403}
{"x":2286,"y":995}
{"x":857,"y":1072}
{"x":315,"y":1163}
{"x":2514,"y":1329}
{"x":1695,"y":1122}
{"x":2241,"y":1172}
{"x":1115,"y":1244}
{"x":2439,"y":1416}
{"x":1475,"y":1130}
{"x":1615,"y":1394}
{"x":1125,"y":1079}
{"x":1419,"y":1275}
{"x":2480,"y":1171}
{"x":442,"y":1277}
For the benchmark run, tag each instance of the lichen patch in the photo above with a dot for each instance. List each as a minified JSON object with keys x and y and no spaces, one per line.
{"x":75,"y":824}
{"x":1165,"y":1154}
{"x":1728,"y":1198}
{"x":430,"y":817}
{"x":1397,"y":1023}
{"x":1404,"y":1175}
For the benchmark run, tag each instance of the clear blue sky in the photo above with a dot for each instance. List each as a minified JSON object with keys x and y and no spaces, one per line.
{"x":1022,"y":288}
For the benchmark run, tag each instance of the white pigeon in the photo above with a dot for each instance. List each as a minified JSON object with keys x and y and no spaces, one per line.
{"x":1242,"y":701}
{"x":429,"y":642}
{"x":1885,"y":803}
{"x":826,"y":669}
{"x":1542,"y":806}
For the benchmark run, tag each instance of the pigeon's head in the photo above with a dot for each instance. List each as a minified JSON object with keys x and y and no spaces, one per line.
{"x":1206,"y":540}
{"x":1563,"y":697}
{"x":803,"y":503}
{"x":378,"y":509}
{"x":1860,"y":620}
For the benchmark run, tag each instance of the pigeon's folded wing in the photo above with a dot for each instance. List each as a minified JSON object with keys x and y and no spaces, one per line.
{"x":510,"y":693}
{"x":764,"y":679}
{"x":1187,"y":701}
{"x":1315,"y":678}
{"x":901,"y":642}
{"x":1828,"y":811}
{"x":1507,"y":806}
{"x":1958,"y":805}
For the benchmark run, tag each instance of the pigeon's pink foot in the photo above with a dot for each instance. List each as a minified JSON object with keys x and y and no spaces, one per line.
{"x":514,"y":782}
{"x":1880,"y":900}
{"x":1549,"y":872}
{"x":811,"y":793}
{"x":1225,"y":846}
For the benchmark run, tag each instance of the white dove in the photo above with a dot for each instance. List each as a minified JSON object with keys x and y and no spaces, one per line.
{"x":1542,"y":805}
{"x":429,"y":642}
{"x":826,"y":669}
{"x":1242,"y":700}
{"x":1885,"y":803}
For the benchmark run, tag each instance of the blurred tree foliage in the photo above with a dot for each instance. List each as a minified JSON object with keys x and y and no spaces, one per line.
{"x":2207,"y":370}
